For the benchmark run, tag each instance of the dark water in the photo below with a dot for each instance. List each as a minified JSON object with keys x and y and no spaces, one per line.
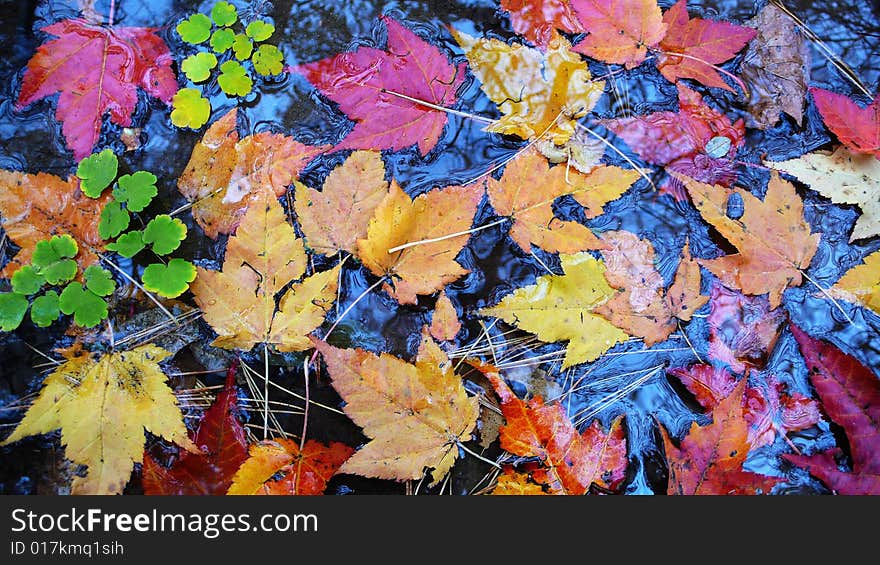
{"x":311,"y":30}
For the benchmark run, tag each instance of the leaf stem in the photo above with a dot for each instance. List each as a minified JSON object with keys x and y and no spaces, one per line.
{"x":729,"y":75}
{"x":140,"y":286}
{"x":477,"y":455}
{"x":440,"y":108}
{"x":828,"y":295}
{"x":265,"y":391}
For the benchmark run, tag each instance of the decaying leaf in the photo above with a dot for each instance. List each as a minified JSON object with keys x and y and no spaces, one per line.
{"x":415,"y":413}
{"x":537,"y":92}
{"x":261,"y":258}
{"x":776,"y":68}
{"x":621,"y":31}
{"x":773,"y":238}
{"x":538,"y":20}
{"x":511,"y":482}
{"x":528,"y":188}
{"x":856,"y":127}
{"x":850,"y":395}
{"x":279,"y":467}
{"x":861,"y":284}
{"x":431,"y":218}
{"x":36,"y":207}
{"x":844,"y":177}
{"x":562,"y":308}
{"x":445,"y":324}
{"x":710,"y":458}
{"x":103,"y":405}
{"x":225,"y":174}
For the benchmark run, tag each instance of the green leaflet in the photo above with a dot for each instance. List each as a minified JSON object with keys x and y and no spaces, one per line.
{"x":170,"y":280}
{"x":96,"y":172}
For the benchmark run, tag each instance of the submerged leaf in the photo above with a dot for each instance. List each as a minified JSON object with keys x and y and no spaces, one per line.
{"x":621,"y":31}
{"x":861,"y":284}
{"x":856,"y":127}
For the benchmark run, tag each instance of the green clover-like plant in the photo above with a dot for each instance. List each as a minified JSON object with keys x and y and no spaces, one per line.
{"x":260,"y":30}
{"x":234,"y":80}
{"x":195,"y":29}
{"x":87,"y":308}
{"x":169,"y":280}
{"x":13,"y":307}
{"x":224,"y":14}
{"x":268,"y":60}
{"x":45,"y":309}
{"x":197,"y":68}
{"x":96,"y":172}
{"x":53,"y":258}
{"x":191,"y":110}
{"x":222,"y":40}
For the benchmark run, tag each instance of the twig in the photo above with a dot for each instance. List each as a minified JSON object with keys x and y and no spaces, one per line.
{"x":445,"y":237}
{"x":137,"y":284}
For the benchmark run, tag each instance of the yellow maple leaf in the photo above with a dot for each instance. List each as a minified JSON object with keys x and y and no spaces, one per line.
{"x":416,"y":414}
{"x":560,"y":308}
{"x":861,"y":284}
{"x":845,"y":178}
{"x":103,"y":405}
{"x":436,"y":223}
{"x":516,"y":483}
{"x":261,"y":258}
{"x":536,"y":91}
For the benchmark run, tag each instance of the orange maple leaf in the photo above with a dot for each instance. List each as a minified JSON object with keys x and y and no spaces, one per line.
{"x":279,"y":467}
{"x":621,"y":31}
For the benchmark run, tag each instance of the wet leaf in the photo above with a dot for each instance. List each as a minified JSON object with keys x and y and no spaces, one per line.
{"x":96,"y":172}
{"x":86,"y":307}
{"x":260,"y":30}
{"x":773,"y":238}
{"x":128,"y":244}
{"x":224,"y":14}
{"x":195,"y":29}
{"x":45,"y":309}
{"x":561,"y":308}
{"x":222,"y":40}
{"x":536,"y":91}
{"x":169,"y":280}
{"x":114,"y":220}
{"x":512,"y":482}
{"x":234,"y":80}
{"x":279,"y":467}
{"x":97,"y":70}
{"x":856,"y":127}
{"x":850,"y":395}
{"x":538,"y":20}
{"x":427,"y":267}
{"x":261,"y":259}
{"x":242,"y":46}
{"x":704,"y":42}
{"x":99,"y":281}
{"x":164,"y":233}
{"x":53,"y":258}
{"x":845,"y":178}
{"x":415,"y":414}
{"x":861,"y":284}
{"x":621,"y":31}
{"x":136,"y":191}
{"x":190,"y":109}
{"x":13,"y":307}
{"x":445,"y":324}
{"x":103,"y":405}
{"x":198,"y":67}
{"x":358,"y":80}
{"x":268,"y":60}
{"x":709,"y":460}
{"x":27,"y":280}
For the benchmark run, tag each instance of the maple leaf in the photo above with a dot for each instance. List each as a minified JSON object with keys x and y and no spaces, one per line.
{"x":226,"y":174}
{"x":358,"y":80}
{"x":844,"y":177}
{"x":33,"y":208}
{"x":96,"y":69}
{"x":261,"y":259}
{"x":278,"y":467}
{"x":103,"y":405}
{"x":570,"y":460}
{"x":643,"y":308}
{"x":742,"y":329}
{"x":536,"y":92}
{"x":620,"y":31}
{"x":562,"y":308}
{"x":430,"y":218}
{"x":692,"y":46}
{"x":776,"y":67}
{"x":528,"y":188}
{"x":538,"y":20}
{"x":773,"y":238}
{"x":767,"y":409}
{"x":512,"y":482}
{"x":337,"y":216}
{"x":445,"y":324}
{"x":709,"y":460}
{"x":850,"y":395}
{"x":856,"y":127}
{"x":861,"y":284}
{"x":223,"y":448}
{"x":416,"y":414}
{"x":682,"y":141}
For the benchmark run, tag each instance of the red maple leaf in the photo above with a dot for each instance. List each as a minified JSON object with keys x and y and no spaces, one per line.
{"x":620,"y":31}
{"x":850,"y":395}
{"x":692,"y":46}
{"x":678,"y":140}
{"x":97,"y":70}
{"x":538,"y":20}
{"x":224,"y":447}
{"x":358,"y":80}
{"x":857,"y":128}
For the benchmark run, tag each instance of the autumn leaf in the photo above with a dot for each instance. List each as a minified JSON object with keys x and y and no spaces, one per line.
{"x":261,"y":259}
{"x":709,"y":460}
{"x":856,"y":127}
{"x":643,"y":308}
{"x":845,"y":178}
{"x":33,"y":208}
{"x":529,"y":187}
{"x":538,"y":20}
{"x":850,"y":395}
{"x":359,"y":82}
{"x":337,"y":216}
{"x":431,"y":218}
{"x":776,"y":68}
{"x":415,"y":414}
{"x":683,"y":141}
{"x":97,"y":69}
{"x":562,"y":308}
{"x":226,"y":174}
{"x":536,"y":92}
{"x":861,"y":284}
{"x":742,"y":329}
{"x":570,"y":460}
{"x":692,"y":46}
{"x":223,"y":448}
{"x":103,"y":405}
{"x":773,"y":238}
{"x":620,"y":31}
{"x":445,"y":324}
{"x":278,"y":467}
{"x":512,"y":482}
